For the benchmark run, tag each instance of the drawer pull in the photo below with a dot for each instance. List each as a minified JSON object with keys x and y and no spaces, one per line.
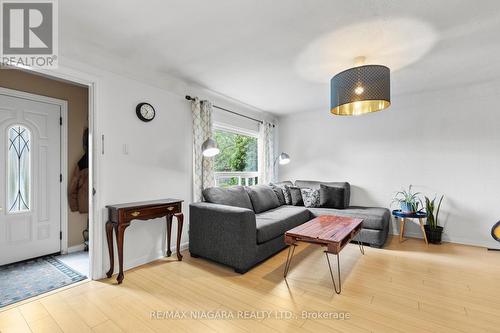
{"x":135,"y":214}
{"x":171,"y":208}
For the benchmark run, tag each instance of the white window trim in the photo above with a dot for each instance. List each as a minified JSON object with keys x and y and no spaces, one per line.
{"x":242,"y":176}
{"x":234,"y":129}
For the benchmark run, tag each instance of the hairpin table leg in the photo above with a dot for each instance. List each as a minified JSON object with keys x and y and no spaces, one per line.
{"x":360,"y":243}
{"x":291,"y":250}
{"x":331,"y":273}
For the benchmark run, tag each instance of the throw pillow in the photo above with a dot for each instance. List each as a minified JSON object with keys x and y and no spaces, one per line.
{"x":331,"y":197}
{"x":295,"y":195}
{"x":279,"y":194}
{"x":310,"y":197}
{"x":263,"y":198}
{"x":231,"y":196}
{"x":286,"y":193}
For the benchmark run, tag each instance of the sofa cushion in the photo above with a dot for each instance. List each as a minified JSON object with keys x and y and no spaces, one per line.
{"x":331,"y":197}
{"x":316,"y":185}
{"x":263,"y":198}
{"x":231,"y":196}
{"x":275,"y":222}
{"x":285,"y":182}
{"x":279,"y":193}
{"x":310,"y":197}
{"x":373,"y":217}
{"x":285,"y":191}
{"x":295,"y":195}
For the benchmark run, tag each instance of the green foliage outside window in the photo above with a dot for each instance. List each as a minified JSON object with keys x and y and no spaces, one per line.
{"x":237,"y":153}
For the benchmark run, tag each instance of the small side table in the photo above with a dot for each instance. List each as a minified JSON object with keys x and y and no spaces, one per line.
{"x":402,"y":216}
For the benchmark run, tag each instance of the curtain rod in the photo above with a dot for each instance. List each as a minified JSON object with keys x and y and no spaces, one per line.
{"x":189,"y":98}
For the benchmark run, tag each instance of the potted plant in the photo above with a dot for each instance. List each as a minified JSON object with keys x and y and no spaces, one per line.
{"x":432,"y":229}
{"x":407,"y":200}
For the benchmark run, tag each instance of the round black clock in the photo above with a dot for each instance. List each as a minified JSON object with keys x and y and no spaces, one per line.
{"x":145,"y":111}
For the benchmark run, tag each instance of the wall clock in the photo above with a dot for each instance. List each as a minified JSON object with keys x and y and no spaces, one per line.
{"x":145,"y":111}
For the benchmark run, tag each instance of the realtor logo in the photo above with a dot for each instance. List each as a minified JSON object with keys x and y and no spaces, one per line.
{"x":29,"y":33}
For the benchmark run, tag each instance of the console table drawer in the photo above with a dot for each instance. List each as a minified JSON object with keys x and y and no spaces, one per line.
{"x":153,"y":212}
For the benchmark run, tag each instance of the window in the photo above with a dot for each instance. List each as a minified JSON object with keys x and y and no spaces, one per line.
{"x":237,"y":162}
{"x":19,"y":171}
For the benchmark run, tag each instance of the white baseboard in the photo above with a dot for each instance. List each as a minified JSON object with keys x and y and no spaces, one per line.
{"x":76,"y":248}
{"x":445,"y":238}
{"x":135,"y":262}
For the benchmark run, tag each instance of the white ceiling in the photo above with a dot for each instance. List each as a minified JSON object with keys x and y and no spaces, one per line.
{"x":278,"y":55}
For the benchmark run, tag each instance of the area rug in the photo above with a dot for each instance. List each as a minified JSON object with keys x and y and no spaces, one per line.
{"x":30,"y":278}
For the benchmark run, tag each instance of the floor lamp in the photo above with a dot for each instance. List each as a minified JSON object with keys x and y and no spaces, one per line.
{"x":283,"y":159}
{"x":495,"y":233}
{"x":208,"y":149}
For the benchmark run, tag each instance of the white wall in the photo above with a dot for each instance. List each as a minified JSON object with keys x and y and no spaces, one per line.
{"x":441,"y":141}
{"x":159,"y":160}
{"x":158,"y":164}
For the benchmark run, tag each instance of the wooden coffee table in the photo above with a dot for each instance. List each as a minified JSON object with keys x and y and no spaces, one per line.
{"x":330,"y":231}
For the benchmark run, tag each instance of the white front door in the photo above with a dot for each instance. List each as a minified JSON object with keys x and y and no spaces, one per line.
{"x":30,"y":167}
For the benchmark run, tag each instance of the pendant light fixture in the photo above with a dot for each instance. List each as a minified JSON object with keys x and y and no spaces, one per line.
{"x":360,"y":90}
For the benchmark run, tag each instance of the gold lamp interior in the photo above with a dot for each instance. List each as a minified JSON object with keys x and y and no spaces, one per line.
{"x":360,"y":107}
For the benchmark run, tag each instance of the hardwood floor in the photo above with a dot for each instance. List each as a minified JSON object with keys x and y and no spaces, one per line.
{"x":406,"y":287}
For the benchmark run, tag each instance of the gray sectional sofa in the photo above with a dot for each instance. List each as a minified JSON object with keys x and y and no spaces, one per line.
{"x":242,"y":226}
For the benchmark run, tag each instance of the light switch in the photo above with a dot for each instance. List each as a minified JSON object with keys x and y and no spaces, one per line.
{"x":125,"y":149}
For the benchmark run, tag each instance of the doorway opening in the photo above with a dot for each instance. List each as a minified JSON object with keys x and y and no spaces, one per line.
{"x":44,"y":184}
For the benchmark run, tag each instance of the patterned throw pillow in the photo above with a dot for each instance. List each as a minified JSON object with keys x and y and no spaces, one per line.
{"x":310,"y":197}
{"x":286,"y":193}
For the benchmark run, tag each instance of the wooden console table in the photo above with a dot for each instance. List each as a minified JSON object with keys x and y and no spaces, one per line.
{"x":121,"y":215}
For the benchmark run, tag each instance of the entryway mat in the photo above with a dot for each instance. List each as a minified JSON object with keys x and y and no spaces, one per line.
{"x":22,"y":280}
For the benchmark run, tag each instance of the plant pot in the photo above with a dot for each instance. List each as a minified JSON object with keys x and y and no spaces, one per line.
{"x":433,"y":234}
{"x":406,"y":207}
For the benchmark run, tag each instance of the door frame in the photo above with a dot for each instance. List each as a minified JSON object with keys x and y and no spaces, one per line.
{"x":63,"y":162}
{"x":96,"y":150}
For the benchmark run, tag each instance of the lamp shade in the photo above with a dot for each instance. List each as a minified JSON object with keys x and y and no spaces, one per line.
{"x":284,"y":158}
{"x":495,"y":232}
{"x":360,"y":90}
{"x":209,"y":148}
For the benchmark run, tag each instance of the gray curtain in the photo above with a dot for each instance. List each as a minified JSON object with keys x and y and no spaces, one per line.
{"x":203,"y":171}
